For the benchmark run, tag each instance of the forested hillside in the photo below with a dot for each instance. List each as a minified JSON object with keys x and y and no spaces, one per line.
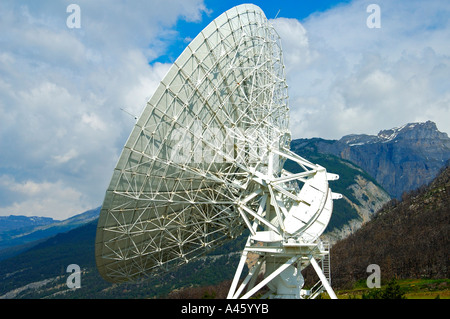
{"x":407,"y":238}
{"x":41,"y":271}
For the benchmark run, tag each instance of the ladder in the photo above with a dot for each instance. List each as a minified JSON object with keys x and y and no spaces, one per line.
{"x":326,"y":268}
{"x":318,"y":288}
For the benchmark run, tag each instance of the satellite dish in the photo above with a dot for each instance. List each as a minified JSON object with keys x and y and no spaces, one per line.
{"x":205,"y":161}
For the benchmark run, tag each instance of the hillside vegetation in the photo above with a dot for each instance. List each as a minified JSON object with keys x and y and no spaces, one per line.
{"x":407,"y":238}
{"x":41,"y":271}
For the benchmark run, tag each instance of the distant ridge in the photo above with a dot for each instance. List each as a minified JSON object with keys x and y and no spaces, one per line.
{"x":19,"y":233}
{"x":20,"y":223}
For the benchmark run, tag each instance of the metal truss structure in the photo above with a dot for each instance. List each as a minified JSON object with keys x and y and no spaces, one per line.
{"x":205,"y":161}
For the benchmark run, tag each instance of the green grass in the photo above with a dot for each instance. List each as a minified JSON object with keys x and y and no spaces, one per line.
{"x":412,"y":289}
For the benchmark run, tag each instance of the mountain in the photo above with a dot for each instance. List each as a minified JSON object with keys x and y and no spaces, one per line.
{"x":11,"y":223}
{"x":40,"y":272}
{"x":19,"y":233}
{"x":407,"y":239}
{"x":400,"y":159}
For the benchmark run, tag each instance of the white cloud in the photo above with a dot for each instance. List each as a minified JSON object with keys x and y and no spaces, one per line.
{"x":47,"y":199}
{"x":347,"y":78}
{"x":61,"y":91}
{"x":93,"y":121}
{"x":294,"y":35}
{"x":61,"y":159}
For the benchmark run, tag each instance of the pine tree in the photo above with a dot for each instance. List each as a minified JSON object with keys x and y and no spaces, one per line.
{"x":391,"y":291}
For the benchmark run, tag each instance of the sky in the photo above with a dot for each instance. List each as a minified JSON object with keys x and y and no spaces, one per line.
{"x":67,"y":72}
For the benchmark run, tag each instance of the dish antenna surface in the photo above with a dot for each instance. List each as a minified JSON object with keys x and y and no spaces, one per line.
{"x":205,"y":161}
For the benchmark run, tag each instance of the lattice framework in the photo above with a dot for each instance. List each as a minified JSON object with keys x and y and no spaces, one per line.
{"x":186,"y":162}
{"x":204,"y":162}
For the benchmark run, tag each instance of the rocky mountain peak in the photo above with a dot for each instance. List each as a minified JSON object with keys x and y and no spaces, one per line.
{"x":400,"y":159}
{"x":412,"y":131}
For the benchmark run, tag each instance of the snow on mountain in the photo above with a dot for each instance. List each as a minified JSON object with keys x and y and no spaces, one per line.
{"x":400,"y":159}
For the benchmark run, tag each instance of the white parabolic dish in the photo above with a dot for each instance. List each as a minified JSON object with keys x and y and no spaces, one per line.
{"x":205,"y":158}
